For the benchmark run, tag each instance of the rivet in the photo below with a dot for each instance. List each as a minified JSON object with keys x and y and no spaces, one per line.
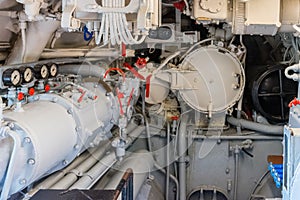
{"x":65,"y":162}
{"x":22,"y":181}
{"x":11,"y":125}
{"x":27,"y":140}
{"x":31,"y":161}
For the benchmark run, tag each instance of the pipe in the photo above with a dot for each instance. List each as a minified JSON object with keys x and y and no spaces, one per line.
{"x":84,"y":70}
{"x":6,"y":145}
{"x":168,"y":161}
{"x":97,"y":171}
{"x":173,"y":178}
{"x":23,"y":26}
{"x":166,"y":62}
{"x":182,"y":147}
{"x":71,"y":177}
{"x":236,"y":137}
{"x":262,"y":128}
{"x":54,"y":178}
{"x":12,"y":163}
{"x":77,"y":163}
{"x":37,"y":35}
{"x":141,"y":163}
{"x":146,"y":119}
{"x":296,"y":69}
{"x":236,"y":171}
{"x":196,"y":44}
{"x":57,"y":53}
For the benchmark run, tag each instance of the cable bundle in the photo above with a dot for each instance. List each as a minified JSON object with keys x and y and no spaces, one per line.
{"x":114,"y":26}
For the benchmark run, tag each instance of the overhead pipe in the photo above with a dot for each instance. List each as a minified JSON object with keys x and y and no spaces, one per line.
{"x":260,"y":128}
{"x":84,"y":70}
{"x":37,"y":35}
{"x":62,"y":53}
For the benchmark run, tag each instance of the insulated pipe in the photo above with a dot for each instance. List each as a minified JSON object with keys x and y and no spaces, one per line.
{"x":141,"y":163}
{"x":37,"y":35}
{"x":182,"y":147}
{"x":98,"y":170}
{"x":262,"y":128}
{"x":84,"y":70}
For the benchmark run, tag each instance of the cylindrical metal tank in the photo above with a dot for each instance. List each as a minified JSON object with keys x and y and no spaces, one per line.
{"x":213,"y":78}
{"x":54,"y":128}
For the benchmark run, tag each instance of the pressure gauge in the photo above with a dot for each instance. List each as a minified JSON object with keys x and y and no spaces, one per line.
{"x":41,"y":71}
{"x":27,"y":74}
{"x":53,"y":70}
{"x":11,"y":77}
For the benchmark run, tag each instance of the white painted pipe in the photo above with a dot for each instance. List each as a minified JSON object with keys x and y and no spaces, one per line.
{"x":98,"y":170}
{"x":141,"y":163}
{"x":260,"y":128}
{"x":10,"y":173}
{"x":37,"y":35}
{"x":182,"y":148}
{"x":70,"y":178}
{"x":54,"y":178}
{"x":83,"y":70}
{"x":6,"y":145}
{"x":80,"y":53}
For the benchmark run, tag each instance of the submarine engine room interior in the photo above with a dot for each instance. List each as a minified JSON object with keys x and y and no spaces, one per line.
{"x":150,"y":99}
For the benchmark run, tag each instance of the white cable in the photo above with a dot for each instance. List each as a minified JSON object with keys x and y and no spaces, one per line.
{"x":105,"y":39}
{"x":118,"y":25}
{"x":123,"y":32}
{"x":114,"y":26}
{"x":98,"y":40}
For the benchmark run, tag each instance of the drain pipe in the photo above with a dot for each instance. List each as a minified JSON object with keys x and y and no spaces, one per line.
{"x":182,"y":147}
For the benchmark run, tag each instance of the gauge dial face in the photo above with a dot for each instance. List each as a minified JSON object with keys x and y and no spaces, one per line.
{"x":28,"y":74}
{"x":53,"y":70}
{"x":15,"y":77}
{"x":44,"y":71}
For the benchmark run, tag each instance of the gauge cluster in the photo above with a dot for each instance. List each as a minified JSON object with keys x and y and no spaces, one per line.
{"x":22,"y":75}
